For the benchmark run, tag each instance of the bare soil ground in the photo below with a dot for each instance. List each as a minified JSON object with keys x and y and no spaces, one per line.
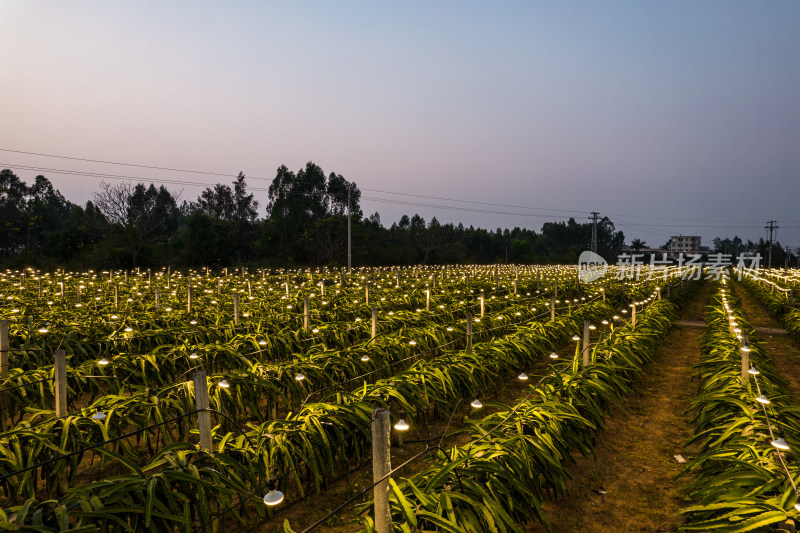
{"x":635,"y":462}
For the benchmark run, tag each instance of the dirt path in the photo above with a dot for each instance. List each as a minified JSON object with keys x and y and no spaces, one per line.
{"x":781,"y":347}
{"x":635,"y":455}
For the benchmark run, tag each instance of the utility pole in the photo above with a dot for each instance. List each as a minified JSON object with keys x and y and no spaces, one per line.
{"x":349,"y":238}
{"x":770,"y":227}
{"x":593,"y":218}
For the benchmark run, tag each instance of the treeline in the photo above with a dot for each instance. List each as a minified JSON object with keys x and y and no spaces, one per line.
{"x":305,"y":224}
{"x":780,"y":256}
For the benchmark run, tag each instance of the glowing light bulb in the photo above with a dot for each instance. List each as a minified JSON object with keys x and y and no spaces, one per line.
{"x":274,"y":496}
{"x":780,"y":443}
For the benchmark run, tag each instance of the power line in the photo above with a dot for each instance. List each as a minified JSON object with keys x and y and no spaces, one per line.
{"x":119,"y":163}
{"x":207,"y":173}
{"x":115,"y":176}
{"x":382,"y":191}
{"x":203,"y":184}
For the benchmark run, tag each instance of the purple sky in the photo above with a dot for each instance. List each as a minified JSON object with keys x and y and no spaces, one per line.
{"x":669,"y":117}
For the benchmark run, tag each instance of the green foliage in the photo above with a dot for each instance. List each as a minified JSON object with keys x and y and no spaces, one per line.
{"x":738,"y":483}
{"x":320,"y":428}
{"x":516,"y":457}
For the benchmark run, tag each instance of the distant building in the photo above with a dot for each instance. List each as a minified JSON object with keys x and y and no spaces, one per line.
{"x":685,"y":244}
{"x":626,"y":249}
{"x":678,"y":244}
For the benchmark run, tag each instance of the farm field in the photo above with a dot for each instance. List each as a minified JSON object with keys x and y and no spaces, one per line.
{"x":225,"y":400}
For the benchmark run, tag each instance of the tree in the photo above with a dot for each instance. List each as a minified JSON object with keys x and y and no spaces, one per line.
{"x":637,"y":244}
{"x":152,"y":220}
{"x":278,"y":207}
{"x":246,"y":207}
{"x":47,"y":213}
{"x":30,"y":217}
{"x":132,"y":224}
{"x":12,"y":213}
{"x":306,"y":212}
{"x":143,"y":220}
{"x":113,"y":201}
{"x":338,"y":187}
{"x":228,"y":226}
{"x":82,"y":236}
{"x":216,"y":203}
{"x":727,"y":246}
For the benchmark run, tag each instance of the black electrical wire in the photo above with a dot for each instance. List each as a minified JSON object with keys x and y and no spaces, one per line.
{"x":96,"y":445}
{"x":367,"y":488}
{"x":25,"y":384}
{"x":382,"y":191}
{"x":285,"y":474}
{"x":363,"y":491}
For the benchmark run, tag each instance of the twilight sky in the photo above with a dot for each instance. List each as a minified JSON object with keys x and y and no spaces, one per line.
{"x":668,"y":117}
